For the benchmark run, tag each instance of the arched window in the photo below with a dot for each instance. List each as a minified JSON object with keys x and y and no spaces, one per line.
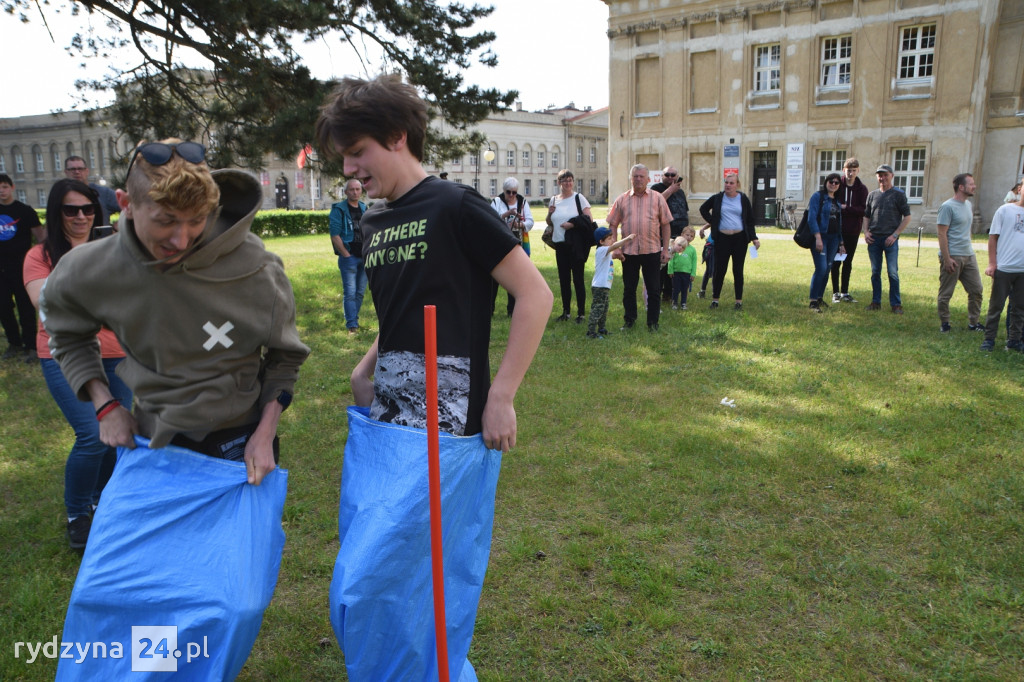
{"x":69,"y":150}
{"x":55,"y":153}
{"x":510,"y":156}
{"x":37,"y":152}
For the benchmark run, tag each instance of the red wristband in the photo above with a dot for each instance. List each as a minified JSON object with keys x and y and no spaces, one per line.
{"x":107,"y":409}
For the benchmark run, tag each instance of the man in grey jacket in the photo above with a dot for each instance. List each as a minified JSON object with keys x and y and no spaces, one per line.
{"x":886,"y":215}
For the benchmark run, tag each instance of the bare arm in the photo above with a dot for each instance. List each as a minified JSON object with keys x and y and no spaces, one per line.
{"x":942,"y":232}
{"x":259,"y":450}
{"x":117,"y":427}
{"x":993,"y":240}
{"x":362,"y":376}
{"x":33,"y":288}
{"x":520,"y":277}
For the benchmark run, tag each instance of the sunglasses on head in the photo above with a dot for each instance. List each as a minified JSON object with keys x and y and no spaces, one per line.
{"x":71,"y":210}
{"x":159,"y":153}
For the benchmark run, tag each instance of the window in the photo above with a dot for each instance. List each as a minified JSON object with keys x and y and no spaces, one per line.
{"x":908,"y":165}
{"x":92,"y":158}
{"x":56,"y":158}
{"x":579,"y":155}
{"x":493,"y":160}
{"x":41,"y":195}
{"x":554,"y":159}
{"x":3,"y":164}
{"x":474,"y":159}
{"x":526,"y":158}
{"x":21,"y":196}
{"x":19,"y":163}
{"x":593,"y":188}
{"x":540,"y":159}
{"x":835,"y":61}
{"x":40,"y":163}
{"x":593,"y":155}
{"x":316,"y":187}
{"x":494,"y":187}
{"x":510,"y":158}
{"x":830,"y":161}
{"x":527,"y":187}
{"x":766,"y":68}
{"x":917,"y":52}
{"x":543,"y":187}
{"x":648,"y":86}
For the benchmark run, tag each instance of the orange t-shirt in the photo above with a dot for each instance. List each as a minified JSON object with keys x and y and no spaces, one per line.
{"x":37,"y":266}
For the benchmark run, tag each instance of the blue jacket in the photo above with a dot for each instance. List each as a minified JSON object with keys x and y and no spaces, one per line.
{"x":819,"y":211}
{"x":340,"y":221}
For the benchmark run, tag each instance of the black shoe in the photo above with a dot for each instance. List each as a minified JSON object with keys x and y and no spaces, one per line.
{"x":579,"y":319}
{"x":78,"y":531}
{"x":1015,"y":345}
{"x":592,"y":335}
{"x":627,"y":326}
{"x":564,"y":317}
{"x":815,"y":307}
{"x":945,"y":328}
{"x":714,"y":304}
{"x":701,"y":294}
{"x":988,"y":345}
{"x":12,"y":352}
{"x":975,"y":327}
{"x":652,"y":327}
{"x":874,"y":306}
{"x":603,"y":332}
{"x":739,"y":306}
{"x":846,"y":298}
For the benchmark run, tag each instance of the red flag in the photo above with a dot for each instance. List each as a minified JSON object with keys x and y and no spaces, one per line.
{"x":300,"y":160}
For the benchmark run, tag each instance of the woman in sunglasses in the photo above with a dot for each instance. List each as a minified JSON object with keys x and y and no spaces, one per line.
{"x":71,"y":212}
{"x":825,"y":218}
{"x":511,"y":207}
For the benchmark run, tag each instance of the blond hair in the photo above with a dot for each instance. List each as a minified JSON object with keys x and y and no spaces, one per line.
{"x":177,"y":184}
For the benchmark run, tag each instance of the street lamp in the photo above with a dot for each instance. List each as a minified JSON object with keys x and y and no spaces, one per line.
{"x":488,"y":157}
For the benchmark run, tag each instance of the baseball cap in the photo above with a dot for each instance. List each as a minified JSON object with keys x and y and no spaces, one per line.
{"x":884,"y":168}
{"x":600,"y":233}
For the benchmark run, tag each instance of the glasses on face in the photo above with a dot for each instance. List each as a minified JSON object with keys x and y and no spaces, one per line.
{"x":510,"y":191}
{"x":833,"y":182}
{"x":71,"y":210}
{"x":159,"y":153}
{"x":75,"y":169}
{"x":669,"y":175}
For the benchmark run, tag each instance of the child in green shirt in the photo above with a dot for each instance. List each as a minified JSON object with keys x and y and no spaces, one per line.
{"x":682,"y":267}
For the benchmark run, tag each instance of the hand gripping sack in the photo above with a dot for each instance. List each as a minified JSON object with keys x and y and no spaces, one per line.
{"x":181,"y":543}
{"x":381,"y":598}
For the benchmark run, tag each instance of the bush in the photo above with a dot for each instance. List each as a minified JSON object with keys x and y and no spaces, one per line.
{"x":282,"y":223}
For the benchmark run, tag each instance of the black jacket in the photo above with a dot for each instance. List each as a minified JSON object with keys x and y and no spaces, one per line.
{"x":711,"y":211}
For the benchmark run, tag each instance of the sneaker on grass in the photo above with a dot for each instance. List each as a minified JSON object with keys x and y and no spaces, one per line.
{"x":78,"y":531}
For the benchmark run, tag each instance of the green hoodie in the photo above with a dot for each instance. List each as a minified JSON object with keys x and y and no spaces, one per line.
{"x":208,"y":341}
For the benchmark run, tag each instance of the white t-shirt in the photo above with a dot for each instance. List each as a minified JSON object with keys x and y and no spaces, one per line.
{"x":564,"y":210}
{"x":604,"y":270}
{"x":1008,"y":223}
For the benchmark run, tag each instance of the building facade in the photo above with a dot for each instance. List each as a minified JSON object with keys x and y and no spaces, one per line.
{"x":783,"y":91}
{"x":533,"y":146}
{"x":530,"y":146}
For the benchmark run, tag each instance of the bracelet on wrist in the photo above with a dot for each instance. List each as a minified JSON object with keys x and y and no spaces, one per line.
{"x":106,"y":408}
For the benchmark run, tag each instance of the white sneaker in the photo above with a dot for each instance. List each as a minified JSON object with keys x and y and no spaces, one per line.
{"x":836,"y":297}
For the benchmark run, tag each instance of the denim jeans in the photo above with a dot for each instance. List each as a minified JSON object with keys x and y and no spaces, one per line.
{"x":875,"y":251}
{"x":353,"y":284}
{"x":90,"y":462}
{"x":823,"y":264}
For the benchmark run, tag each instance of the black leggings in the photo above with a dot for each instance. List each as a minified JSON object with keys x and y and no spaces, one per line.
{"x":728,"y":246}
{"x":850,"y":242}
{"x":570,"y":272}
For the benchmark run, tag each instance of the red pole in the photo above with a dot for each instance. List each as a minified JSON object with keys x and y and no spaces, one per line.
{"x":434,"y":477}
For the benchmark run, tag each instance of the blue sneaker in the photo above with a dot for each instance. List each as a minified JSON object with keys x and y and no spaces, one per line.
{"x":988,"y":345}
{"x":1015,"y":345}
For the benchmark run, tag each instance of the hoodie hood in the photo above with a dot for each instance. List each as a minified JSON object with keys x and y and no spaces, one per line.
{"x":227,"y":228}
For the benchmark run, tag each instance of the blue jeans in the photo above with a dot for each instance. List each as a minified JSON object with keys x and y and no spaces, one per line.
{"x":823,"y":264}
{"x":353,"y":284}
{"x":892,"y":253}
{"x":90,"y":462}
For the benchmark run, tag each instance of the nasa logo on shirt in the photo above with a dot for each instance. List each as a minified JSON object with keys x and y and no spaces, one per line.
{"x":8,"y":228}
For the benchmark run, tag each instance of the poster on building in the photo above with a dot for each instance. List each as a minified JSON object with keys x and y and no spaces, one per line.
{"x":795,"y":184}
{"x":795,"y":154}
{"x":265,"y":178}
{"x":300,"y":179}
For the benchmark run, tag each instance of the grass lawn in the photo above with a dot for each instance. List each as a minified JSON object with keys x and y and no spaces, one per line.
{"x":856,"y":515}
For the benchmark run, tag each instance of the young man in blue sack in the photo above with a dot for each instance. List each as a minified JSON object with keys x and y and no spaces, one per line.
{"x":425,"y":242}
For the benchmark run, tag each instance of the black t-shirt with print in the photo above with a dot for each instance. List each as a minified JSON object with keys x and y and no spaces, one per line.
{"x":16,"y":222}
{"x":355,"y":247}
{"x":436,"y":245}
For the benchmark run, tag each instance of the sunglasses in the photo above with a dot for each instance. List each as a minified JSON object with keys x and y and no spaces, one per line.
{"x":510,"y":191}
{"x":159,"y":153}
{"x":669,"y":175}
{"x":833,"y":182}
{"x":71,"y":210}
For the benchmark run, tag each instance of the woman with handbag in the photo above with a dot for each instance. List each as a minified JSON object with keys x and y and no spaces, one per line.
{"x":562,"y":208}
{"x":825,"y":218}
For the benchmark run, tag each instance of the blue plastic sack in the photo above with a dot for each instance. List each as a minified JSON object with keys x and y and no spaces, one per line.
{"x":381,"y":596}
{"x":180,"y":542}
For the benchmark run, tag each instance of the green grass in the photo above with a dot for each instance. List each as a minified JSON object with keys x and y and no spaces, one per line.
{"x":857,"y":515}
